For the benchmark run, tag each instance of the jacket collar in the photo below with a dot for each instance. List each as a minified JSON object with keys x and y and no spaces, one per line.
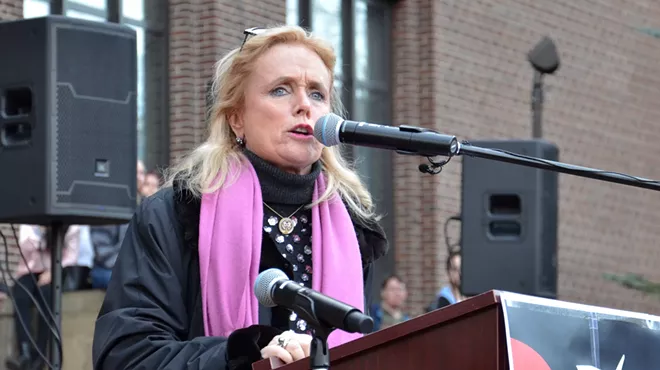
{"x":371,"y":236}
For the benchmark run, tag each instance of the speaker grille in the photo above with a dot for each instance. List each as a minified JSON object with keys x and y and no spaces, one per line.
{"x":509,"y":222}
{"x":95,"y":112}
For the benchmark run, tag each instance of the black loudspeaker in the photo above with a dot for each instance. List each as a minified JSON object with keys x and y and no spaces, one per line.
{"x":509,"y":222}
{"x":68,"y":117}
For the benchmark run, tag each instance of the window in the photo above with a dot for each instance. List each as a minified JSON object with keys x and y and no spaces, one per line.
{"x":78,"y":14}
{"x":359,"y":31}
{"x":152,"y":148}
{"x":35,"y":8}
{"x":327,"y":23}
{"x":96,"y":4}
{"x":133,"y":10}
{"x":371,"y":84}
{"x":292,"y":17}
{"x":86,"y":9}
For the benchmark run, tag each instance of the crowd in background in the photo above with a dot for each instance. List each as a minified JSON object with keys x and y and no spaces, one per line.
{"x":393,"y":295}
{"x":88,"y":257}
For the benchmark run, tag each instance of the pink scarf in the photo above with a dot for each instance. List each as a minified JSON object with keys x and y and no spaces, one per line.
{"x":230,"y":233}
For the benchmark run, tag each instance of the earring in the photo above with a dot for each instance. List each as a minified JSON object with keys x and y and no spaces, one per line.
{"x":240,"y":141}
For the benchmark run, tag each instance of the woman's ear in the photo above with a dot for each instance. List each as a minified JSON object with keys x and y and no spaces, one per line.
{"x":236,"y":123}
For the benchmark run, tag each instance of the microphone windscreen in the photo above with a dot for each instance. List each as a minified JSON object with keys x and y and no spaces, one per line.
{"x":264,"y":284}
{"x":325,"y":129}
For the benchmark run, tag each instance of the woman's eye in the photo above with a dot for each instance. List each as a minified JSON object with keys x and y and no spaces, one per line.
{"x":318,"y":96}
{"x":279,"y":91}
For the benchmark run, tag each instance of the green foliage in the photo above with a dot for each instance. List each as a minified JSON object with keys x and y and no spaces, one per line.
{"x":635,"y":282}
{"x":654,"y":32}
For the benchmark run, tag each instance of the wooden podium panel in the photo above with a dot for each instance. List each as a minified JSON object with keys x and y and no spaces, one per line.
{"x":469,"y":335}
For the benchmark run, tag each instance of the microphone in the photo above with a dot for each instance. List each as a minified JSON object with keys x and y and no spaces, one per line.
{"x":273,"y":288}
{"x":331,"y":130}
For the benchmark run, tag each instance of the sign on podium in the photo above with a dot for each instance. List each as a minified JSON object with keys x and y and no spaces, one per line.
{"x":504,"y":331}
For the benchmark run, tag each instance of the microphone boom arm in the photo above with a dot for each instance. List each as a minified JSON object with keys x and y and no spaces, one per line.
{"x":466,"y":148}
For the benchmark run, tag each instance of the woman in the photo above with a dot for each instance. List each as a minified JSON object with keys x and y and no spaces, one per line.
{"x":246,"y":200}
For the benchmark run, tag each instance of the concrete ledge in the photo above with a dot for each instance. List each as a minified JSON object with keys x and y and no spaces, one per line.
{"x":79,"y":311}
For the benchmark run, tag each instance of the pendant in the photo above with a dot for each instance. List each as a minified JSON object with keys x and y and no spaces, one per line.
{"x":286,"y":225}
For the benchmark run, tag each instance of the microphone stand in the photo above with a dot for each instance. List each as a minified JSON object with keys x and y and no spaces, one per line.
{"x":448,"y":146}
{"x":319,"y":352}
{"x":56,"y":236}
{"x":537,"y":105}
{"x":504,"y":156}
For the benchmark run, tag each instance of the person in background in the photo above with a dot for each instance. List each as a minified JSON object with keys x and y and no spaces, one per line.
{"x":34,"y":273}
{"x":450,"y":293}
{"x":151,"y":184}
{"x":141,"y":174}
{"x":106,"y":240}
{"x":3,"y":294}
{"x":77,"y":275}
{"x":393,"y":295}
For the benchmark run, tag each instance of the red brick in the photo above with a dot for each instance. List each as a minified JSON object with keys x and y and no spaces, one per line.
{"x":201,"y":32}
{"x":460,"y":67}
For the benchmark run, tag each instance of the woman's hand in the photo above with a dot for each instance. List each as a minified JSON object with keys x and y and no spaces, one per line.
{"x":288,"y":347}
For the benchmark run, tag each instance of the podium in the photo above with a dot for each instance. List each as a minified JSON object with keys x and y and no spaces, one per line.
{"x":467,"y":335}
{"x":501,"y":331}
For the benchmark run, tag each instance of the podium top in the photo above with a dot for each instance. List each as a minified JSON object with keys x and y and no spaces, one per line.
{"x":400,"y":331}
{"x":505,"y":331}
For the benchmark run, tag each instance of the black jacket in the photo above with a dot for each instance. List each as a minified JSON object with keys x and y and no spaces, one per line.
{"x":151,"y":317}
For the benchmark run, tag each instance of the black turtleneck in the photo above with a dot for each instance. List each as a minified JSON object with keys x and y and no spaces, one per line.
{"x":285,"y":195}
{"x":281,"y":189}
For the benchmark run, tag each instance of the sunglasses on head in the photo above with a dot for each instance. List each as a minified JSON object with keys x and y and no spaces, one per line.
{"x":251,"y":32}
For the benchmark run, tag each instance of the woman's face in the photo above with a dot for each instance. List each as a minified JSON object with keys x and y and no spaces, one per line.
{"x":287,"y":92}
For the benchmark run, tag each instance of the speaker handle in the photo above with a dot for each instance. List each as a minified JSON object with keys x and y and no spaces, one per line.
{"x":15,"y":134}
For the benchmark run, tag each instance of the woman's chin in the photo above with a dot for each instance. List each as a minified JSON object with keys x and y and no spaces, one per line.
{"x":296,"y":164}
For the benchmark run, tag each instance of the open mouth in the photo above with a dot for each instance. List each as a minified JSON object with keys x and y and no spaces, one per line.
{"x":302,"y":131}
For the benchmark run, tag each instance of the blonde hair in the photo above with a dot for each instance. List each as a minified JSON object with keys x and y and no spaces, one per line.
{"x":206,"y":168}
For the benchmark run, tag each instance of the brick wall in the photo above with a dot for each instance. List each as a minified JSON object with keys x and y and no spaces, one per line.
{"x":201,"y":31}
{"x":417,"y":198}
{"x":460,"y":67}
{"x":9,"y":9}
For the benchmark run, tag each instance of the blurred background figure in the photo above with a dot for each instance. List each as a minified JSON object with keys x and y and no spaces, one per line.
{"x":151,"y":184}
{"x":3,"y":294}
{"x":33,"y":275}
{"x":389,"y":311}
{"x":450,"y":293}
{"x":107,"y":239}
{"x":141,"y":174}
